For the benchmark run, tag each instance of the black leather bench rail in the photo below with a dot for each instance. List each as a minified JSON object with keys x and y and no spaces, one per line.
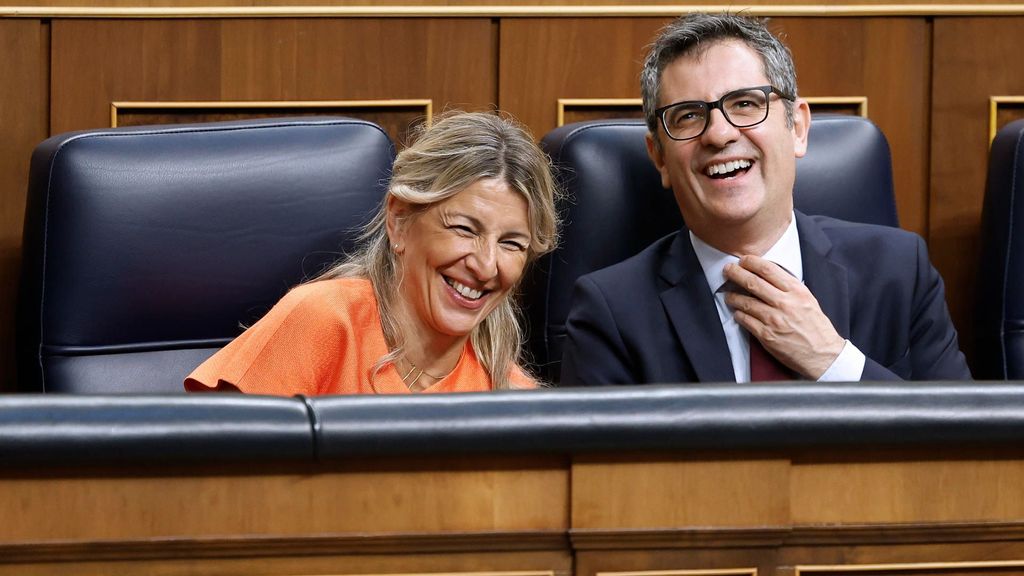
{"x":672,"y":417}
{"x":63,"y":430}
{"x":210,"y":428}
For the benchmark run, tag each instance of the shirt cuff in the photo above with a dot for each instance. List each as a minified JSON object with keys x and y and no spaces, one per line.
{"x":847,"y":367}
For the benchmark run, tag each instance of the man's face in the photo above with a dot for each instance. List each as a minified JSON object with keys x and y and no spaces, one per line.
{"x":751,"y":189}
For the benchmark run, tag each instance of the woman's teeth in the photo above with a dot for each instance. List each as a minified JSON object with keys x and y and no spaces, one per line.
{"x":464,"y":290}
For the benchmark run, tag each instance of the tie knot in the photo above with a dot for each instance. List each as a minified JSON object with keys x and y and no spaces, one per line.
{"x":730,"y":286}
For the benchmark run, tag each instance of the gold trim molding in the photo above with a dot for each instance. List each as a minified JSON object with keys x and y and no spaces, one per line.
{"x":564,"y":103}
{"x":708,"y":572}
{"x":509,"y":11}
{"x":993,"y":112}
{"x":861,"y":102}
{"x":283,"y":105}
{"x":913,"y":567}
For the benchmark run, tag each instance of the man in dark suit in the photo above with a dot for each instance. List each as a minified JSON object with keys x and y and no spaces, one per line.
{"x":751,"y":289}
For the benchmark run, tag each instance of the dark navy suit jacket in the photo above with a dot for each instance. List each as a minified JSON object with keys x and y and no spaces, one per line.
{"x":652,"y":318}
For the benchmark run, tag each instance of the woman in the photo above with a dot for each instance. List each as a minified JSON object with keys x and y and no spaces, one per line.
{"x":425,"y":304}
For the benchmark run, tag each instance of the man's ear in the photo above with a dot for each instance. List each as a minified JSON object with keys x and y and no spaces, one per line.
{"x":398,"y":212}
{"x":801,"y":126}
{"x":657,"y":156}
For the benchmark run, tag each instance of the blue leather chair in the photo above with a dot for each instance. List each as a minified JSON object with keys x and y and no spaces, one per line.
{"x":999,"y":317}
{"x":145,"y":248}
{"x":616,"y":205}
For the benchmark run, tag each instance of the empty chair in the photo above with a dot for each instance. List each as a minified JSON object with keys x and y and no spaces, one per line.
{"x":616,"y":205}
{"x":999,"y":318}
{"x":145,"y":248}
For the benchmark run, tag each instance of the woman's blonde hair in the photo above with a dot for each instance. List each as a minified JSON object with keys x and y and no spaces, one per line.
{"x":443,"y":159}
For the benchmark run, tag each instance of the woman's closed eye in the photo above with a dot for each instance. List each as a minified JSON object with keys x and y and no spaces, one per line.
{"x":462,"y":230}
{"x":514,"y":245}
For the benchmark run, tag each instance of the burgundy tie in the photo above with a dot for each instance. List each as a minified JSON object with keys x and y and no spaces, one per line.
{"x":764,"y":367}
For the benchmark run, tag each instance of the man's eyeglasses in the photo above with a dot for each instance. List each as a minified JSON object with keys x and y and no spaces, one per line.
{"x":742,"y":108}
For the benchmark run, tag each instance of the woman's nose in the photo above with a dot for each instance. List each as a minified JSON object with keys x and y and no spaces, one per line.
{"x":483,"y":261}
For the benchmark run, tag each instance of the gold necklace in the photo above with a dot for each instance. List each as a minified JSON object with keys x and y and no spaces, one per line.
{"x":415,"y":372}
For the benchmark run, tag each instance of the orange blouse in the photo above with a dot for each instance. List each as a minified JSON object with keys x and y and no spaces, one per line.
{"x":324,"y":338}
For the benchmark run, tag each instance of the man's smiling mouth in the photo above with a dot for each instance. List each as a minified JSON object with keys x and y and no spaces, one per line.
{"x":727,"y":169}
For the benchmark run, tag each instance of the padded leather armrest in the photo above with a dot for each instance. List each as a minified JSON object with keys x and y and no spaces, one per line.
{"x":235,"y":429}
{"x":673,"y":417}
{"x":212,"y":428}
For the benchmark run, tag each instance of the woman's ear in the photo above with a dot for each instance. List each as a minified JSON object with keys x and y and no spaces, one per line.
{"x":398,"y":212}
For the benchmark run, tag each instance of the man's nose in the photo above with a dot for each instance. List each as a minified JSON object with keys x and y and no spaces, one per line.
{"x":719,"y":131}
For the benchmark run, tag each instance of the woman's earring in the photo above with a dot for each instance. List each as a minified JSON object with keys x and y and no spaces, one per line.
{"x":396,"y":248}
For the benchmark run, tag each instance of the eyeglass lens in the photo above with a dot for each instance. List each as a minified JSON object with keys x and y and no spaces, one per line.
{"x":741,"y":108}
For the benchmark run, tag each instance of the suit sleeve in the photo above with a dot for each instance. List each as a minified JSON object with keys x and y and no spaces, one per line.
{"x":934,"y":351}
{"x":594,"y":352}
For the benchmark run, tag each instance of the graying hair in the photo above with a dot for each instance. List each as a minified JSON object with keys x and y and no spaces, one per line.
{"x":693,"y":34}
{"x":445,"y":158}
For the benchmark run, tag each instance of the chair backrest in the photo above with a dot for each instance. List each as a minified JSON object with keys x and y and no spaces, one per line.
{"x":999,"y":314}
{"x":616,"y":205}
{"x":145,"y":248}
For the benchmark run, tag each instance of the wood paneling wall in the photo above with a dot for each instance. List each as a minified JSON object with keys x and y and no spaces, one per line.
{"x":782,"y":512}
{"x":927,"y":80}
{"x":24,"y":111}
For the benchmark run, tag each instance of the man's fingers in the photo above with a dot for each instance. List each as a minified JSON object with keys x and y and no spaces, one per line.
{"x":771,"y":272}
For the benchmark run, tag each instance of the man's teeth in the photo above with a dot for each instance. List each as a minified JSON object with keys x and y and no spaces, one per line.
{"x":727,"y":167}
{"x":464,"y":290}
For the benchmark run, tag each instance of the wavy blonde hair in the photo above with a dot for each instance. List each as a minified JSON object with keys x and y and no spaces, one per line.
{"x":443,"y":159}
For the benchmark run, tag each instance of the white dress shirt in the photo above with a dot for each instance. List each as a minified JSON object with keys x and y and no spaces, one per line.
{"x":847,"y":367}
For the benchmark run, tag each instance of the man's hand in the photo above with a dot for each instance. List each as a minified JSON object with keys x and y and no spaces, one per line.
{"x":782,"y":313}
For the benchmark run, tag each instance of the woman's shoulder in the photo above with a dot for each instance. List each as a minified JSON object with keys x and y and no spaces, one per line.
{"x":519,"y":379}
{"x":336,"y":295}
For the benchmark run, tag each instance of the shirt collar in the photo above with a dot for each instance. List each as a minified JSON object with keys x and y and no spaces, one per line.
{"x":785,"y":252}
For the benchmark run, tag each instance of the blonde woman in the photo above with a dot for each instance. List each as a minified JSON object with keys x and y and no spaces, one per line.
{"x":426,"y":303}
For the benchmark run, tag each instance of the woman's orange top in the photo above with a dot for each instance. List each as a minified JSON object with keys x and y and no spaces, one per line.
{"x":324,"y":338}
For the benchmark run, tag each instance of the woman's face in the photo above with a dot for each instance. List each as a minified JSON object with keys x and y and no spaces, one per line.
{"x":459,"y":258}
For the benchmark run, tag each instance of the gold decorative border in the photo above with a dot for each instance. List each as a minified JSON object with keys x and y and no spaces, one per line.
{"x":860,"y":101}
{"x":563,"y":103}
{"x":708,"y":572}
{"x":508,"y":573}
{"x":283,"y":105}
{"x":861,"y":568}
{"x":993,"y":111}
{"x":522,"y":11}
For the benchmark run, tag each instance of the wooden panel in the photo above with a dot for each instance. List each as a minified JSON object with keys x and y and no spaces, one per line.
{"x":907,"y":492}
{"x":854,"y":57}
{"x":449,"y":61}
{"x":626,"y":495}
{"x":523,"y":495}
{"x":284,"y":563}
{"x":23,"y":110}
{"x":974,"y":59}
{"x":396,"y":117}
{"x":543,"y":60}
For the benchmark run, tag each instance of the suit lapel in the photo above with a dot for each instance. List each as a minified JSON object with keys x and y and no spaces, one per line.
{"x":691,"y":308}
{"x":823,"y":277}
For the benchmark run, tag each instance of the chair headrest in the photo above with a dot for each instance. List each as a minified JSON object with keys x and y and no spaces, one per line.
{"x":616,"y":205}
{"x":148,"y":239}
{"x":999,"y":317}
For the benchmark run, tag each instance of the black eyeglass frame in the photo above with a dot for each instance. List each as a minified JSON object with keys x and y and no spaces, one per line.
{"x":768,"y":91}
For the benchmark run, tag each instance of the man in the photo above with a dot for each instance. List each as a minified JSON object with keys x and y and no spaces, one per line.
{"x":751,"y":289}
